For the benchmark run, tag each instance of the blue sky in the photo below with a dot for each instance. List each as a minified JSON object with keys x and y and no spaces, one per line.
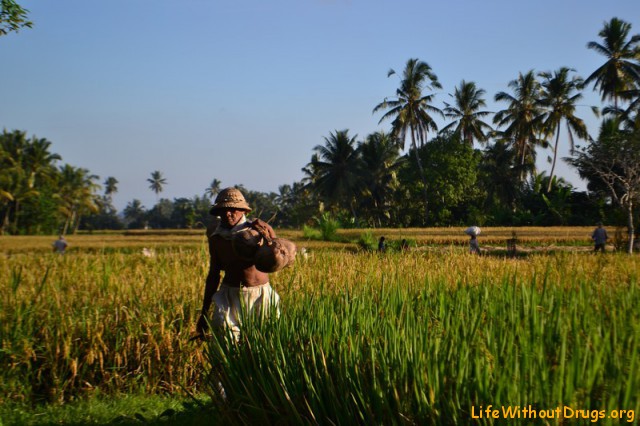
{"x":242,"y":91}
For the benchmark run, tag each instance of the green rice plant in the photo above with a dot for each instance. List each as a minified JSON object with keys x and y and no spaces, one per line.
{"x":367,"y":241}
{"x":311,"y":233}
{"x":434,"y":351}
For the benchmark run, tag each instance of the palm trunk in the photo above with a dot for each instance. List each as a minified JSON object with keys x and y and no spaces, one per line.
{"x":425,"y":193}
{"x":77,"y":225}
{"x":555,"y":156}
{"x":69,"y":222}
{"x":5,"y":221}
{"x":523,"y":149}
{"x":15,"y":215}
{"x":630,"y":226}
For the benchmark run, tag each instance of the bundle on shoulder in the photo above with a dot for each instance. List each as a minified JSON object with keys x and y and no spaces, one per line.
{"x":258,"y":242}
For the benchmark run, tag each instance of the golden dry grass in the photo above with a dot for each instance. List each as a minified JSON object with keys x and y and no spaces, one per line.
{"x":491,"y":237}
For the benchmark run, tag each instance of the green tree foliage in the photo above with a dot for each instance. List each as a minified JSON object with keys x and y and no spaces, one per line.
{"x":613,"y":160}
{"x":521,"y":119}
{"x":621,"y":67}
{"x":465,"y":112}
{"x":77,"y":195}
{"x":558,"y":100}
{"x":333,"y":171}
{"x":451,"y":172}
{"x":213,"y":189}
{"x":28,"y":170}
{"x":156,"y":182}
{"x":411,"y":112}
{"x":13,"y":17}
{"x":379,"y":163}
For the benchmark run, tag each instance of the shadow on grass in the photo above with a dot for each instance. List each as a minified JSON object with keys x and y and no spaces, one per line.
{"x":115,"y":413}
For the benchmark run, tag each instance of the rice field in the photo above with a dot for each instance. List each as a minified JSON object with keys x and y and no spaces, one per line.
{"x":429,"y":336}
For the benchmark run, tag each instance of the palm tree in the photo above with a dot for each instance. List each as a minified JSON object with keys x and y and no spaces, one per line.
{"x":410,"y":111}
{"x":25,"y":163}
{"x":522,"y":117}
{"x":333,"y":170}
{"x":558,"y":98}
{"x":39,"y":161}
{"x":616,"y":74}
{"x":465,"y":112}
{"x":156,"y":182}
{"x":13,"y":17}
{"x":501,"y":174}
{"x":134,"y":211}
{"x":379,"y":162}
{"x":76,"y":194}
{"x":213,"y":189}
{"x":110,"y":186}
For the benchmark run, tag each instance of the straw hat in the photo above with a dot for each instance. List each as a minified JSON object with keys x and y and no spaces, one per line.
{"x":230,"y":198}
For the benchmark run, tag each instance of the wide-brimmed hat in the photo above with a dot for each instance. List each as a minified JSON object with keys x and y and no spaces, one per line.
{"x":230,"y":198}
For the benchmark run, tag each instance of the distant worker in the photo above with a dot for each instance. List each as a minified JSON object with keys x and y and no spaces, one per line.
{"x":474,"y":247}
{"x":382,"y":246}
{"x":600,"y":238}
{"x":60,"y":245}
{"x":473,"y":232}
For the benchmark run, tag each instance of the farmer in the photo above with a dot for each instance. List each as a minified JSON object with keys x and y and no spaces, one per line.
{"x":474,"y":247}
{"x":60,"y":245}
{"x":243,"y":286}
{"x":382,"y":246}
{"x":473,"y":232}
{"x":600,"y":238}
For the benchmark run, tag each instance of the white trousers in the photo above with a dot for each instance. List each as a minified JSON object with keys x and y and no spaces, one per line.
{"x":229,"y":303}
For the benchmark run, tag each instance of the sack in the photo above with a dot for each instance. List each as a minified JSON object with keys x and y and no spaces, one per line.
{"x":472,"y":231}
{"x":245,"y":243}
{"x":275,"y":256}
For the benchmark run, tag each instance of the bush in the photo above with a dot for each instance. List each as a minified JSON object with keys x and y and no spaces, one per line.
{"x":368,"y":241}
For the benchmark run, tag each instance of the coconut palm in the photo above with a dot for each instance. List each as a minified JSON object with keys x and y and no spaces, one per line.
{"x":333,"y":170}
{"x":39,"y":161}
{"x":465,"y":111}
{"x":629,"y":117}
{"x":558,"y":98}
{"x":76,"y":193}
{"x":379,"y":162}
{"x":411,"y":109}
{"x":134,"y":212}
{"x":157,"y":182}
{"x":25,"y":163}
{"x":521,"y":117}
{"x":213,"y":189}
{"x":110,"y":186}
{"x":616,"y":74}
{"x":501,"y":174}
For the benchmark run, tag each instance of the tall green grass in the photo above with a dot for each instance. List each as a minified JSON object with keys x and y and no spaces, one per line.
{"x":392,"y":349}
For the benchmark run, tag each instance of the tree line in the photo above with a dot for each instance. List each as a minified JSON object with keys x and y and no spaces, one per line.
{"x":414,"y":174}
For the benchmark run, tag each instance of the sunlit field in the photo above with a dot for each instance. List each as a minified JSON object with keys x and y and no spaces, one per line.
{"x":428,"y":336}
{"x":491,"y":238}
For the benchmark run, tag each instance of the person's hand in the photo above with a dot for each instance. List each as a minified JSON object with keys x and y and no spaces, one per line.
{"x":263,"y":229}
